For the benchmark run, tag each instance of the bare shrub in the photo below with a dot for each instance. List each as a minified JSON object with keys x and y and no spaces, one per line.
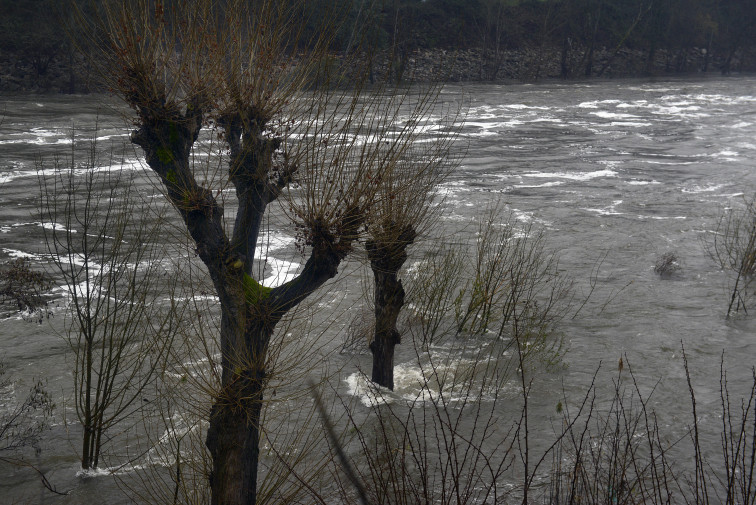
{"x":118,"y":324}
{"x":482,"y":323}
{"x":613,"y":454}
{"x":732,"y":246}
{"x":505,"y":284}
{"x":457,"y":446}
{"x":731,"y":479}
{"x":21,"y":422}
{"x":359,"y":332}
{"x":667,"y":265}
{"x":23,"y":287}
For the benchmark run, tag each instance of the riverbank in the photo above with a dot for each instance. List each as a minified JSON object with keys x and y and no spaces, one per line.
{"x":543,"y":63}
{"x":73,"y":74}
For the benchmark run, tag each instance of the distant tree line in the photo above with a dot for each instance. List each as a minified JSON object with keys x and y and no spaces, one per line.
{"x":722,"y":27}
{"x":35,"y":34}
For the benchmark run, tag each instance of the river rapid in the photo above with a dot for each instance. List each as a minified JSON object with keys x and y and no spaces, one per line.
{"x":618,"y":173}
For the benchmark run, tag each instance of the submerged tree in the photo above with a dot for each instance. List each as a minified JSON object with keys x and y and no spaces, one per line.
{"x":109,"y":256}
{"x":484,"y":314}
{"x":22,"y":419}
{"x":402,"y":211}
{"x":197,"y":76}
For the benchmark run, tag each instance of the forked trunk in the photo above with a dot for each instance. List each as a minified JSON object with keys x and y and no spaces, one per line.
{"x":250,"y":311}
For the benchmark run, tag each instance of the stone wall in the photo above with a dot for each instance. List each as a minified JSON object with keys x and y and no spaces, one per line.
{"x":532,"y":64}
{"x":25,"y":75}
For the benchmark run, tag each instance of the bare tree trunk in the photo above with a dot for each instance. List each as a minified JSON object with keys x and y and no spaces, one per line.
{"x":385,"y":260}
{"x":234,"y":442}
{"x":233,"y":437}
{"x":389,"y":299}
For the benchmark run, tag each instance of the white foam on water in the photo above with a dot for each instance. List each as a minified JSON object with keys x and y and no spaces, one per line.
{"x":451,"y":188}
{"x":613,"y":115}
{"x":489,"y":126}
{"x":702,"y":189}
{"x":56,"y":227}
{"x":125,"y":165}
{"x":610,"y":163}
{"x":272,"y":241}
{"x":16,"y":174}
{"x":522,"y":106}
{"x":413,"y":383}
{"x":679,"y":101}
{"x":482,"y":110}
{"x":663,"y":218}
{"x":370,"y":394}
{"x":544,"y":185}
{"x":198,"y":298}
{"x":724,"y":100}
{"x":283,"y":272}
{"x":483,"y":115}
{"x":15,"y":253}
{"x":631,"y":124}
{"x":611,"y":210}
{"x":653,"y":88}
{"x":633,"y":105}
{"x":726,"y":155}
{"x":528,"y":217}
{"x":545,"y":120}
{"x":482,"y":133}
{"x":577,"y":176}
{"x":594,"y":104}
{"x":636,"y":182}
{"x":683,"y":112}
{"x":114,"y":135}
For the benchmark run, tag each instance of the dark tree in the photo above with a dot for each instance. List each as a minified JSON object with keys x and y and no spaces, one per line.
{"x":284,"y":134}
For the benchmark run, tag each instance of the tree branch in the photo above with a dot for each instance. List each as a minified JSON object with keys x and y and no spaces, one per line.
{"x":328,"y":250}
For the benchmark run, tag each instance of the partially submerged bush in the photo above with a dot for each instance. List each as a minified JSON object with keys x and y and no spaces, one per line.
{"x":482,"y":317}
{"x":22,"y":421}
{"x":733,"y":247}
{"x":23,"y":287}
{"x":507,"y":285}
{"x":667,"y":265}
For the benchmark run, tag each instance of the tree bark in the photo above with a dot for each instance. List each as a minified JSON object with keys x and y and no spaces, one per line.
{"x":233,"y":437}
{"x":386,"y":259}
{"x":389,"y":300}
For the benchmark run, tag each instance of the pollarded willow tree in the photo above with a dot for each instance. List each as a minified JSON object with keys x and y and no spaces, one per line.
{"x":243,"y":78}
{"x":402,"y":211}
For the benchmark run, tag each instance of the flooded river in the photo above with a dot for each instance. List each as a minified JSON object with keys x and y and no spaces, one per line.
{"x":618,"y":173}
